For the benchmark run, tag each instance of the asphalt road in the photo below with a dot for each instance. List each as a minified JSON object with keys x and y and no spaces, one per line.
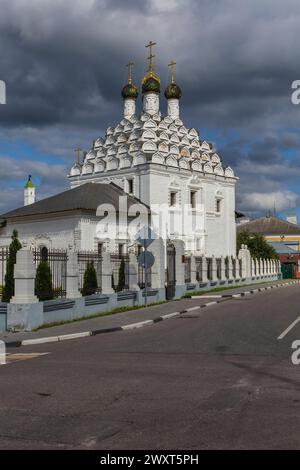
{"x":217,"y":378}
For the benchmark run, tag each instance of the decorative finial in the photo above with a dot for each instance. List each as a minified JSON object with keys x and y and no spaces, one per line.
{"x":151,"y":56}
{"x":78,"y":151}
{"x":129,"y":65}
{"x":171,"y":65}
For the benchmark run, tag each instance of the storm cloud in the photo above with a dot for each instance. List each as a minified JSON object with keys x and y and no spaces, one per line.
{"x":64,"y":65}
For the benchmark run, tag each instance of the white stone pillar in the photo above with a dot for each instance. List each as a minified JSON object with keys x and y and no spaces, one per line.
{"x":193,"y":270}
{"x":244,"y":255}
{"x":214,"y":276}
{"x":223,"y":275}
{"x":263,"y":263}
{"x":179,"y":264}
{"x":24,"y":275}
{"x":72,"y":281}
{"x":204,"y":269}
{"x":253,"y":267}
{"x":133,"y":272}
{"x":106,"y":278}
{"x":157,"y":248}
{"x":230,"y":268}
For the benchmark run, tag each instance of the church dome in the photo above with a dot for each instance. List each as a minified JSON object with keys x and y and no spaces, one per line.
{"x":173,"y":91}
{"x":130,"y":91}
{"x":29,"y":183}
{"x":151,"y":83}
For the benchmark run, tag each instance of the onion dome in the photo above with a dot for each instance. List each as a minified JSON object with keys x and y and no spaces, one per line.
{"x":173,"y":91}
{"x":151,"y":83}
{"x":29,"y":183}
{"x":130,"y":91}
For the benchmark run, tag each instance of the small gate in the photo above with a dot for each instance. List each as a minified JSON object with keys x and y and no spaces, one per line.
{"x":171,"y":272}
{"x":287,"y":270}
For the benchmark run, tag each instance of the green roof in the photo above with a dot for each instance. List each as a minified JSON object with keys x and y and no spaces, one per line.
{"x":29,"y":183}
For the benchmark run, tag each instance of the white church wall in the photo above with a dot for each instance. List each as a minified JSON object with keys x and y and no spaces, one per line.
{"x":52,"y":232}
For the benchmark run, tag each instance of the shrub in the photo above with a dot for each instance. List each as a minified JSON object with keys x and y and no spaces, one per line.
{"x":90,"y":283}
{"x":121,"y":282}
{"x":9,"y":283}
{"x":43,"y":282}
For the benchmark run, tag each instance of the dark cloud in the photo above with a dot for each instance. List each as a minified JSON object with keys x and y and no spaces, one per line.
{"x":64,"y":65}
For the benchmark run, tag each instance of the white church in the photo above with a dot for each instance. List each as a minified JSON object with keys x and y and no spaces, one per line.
{"x":148,"y":158}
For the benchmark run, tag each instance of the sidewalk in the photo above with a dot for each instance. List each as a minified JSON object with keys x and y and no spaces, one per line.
{"x":119,"y":320}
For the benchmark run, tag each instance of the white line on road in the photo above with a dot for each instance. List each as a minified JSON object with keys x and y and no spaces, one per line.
{"x":285,"y":332}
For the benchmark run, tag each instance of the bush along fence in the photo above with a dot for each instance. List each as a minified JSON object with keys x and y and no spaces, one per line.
{"x":56,"y":286}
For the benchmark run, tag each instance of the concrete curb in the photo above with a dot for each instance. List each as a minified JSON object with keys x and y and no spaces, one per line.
{"x":141,"y":324}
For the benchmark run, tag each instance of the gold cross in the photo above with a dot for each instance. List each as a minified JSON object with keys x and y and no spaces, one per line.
{"x":151,"y":56}
{"x":78,"y":151}
{"x":129,"y":65}
{"x":171,"y":65}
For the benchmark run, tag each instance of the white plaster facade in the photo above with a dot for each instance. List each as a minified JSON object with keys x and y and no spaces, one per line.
{"x":163,"y":164}
{"x":154,"y":158}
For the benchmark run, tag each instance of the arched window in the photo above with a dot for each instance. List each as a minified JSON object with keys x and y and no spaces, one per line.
{"x":44,"y":253}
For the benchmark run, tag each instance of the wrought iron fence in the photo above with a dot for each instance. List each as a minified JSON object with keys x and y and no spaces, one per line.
{"x":218,"y":262}
{"x":4,"y":253}
{"x":85,"y":257}
{"x":57,"y":261}
{"x":234,"y":268}
{"x":187,"y":269}
{"x":141,"y":272}
{"x":227,"y":267}
{"x":120,"y":272}
{"x":198,"y":260}
{"x":209,"y":268}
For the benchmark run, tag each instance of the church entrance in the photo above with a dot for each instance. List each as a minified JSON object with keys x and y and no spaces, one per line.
{"x":171,"y":272}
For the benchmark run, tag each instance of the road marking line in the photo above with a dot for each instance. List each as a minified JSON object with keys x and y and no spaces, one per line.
{"x":210,"y":303}
{"x":289,"y":328}
{"x":23,"y":357}
{"x":236,"y":295}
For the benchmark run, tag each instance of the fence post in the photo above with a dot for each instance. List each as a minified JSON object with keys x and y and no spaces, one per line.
{"x":179,"y":267}
{"x":157,"y":248}
{"x":106,"y":275}
{"x":253,"y":267}
{"x":133,"y":272}
{"x":223,"y":275}
{"x":24,"y":276}
{"x":244,"y":255}
{"x":204,"y":270}
{"x":72,"y":281}
{"x":214,"y":276}
{"x":193,"y":270}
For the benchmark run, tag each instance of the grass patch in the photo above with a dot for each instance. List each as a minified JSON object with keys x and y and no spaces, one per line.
{"x":188,"y":295}
{"x":100,"y":314}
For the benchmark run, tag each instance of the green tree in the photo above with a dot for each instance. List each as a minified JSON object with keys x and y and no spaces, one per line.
{"x":9,"y":283}
{"x":257,"y":245}
{"x":90,"y":283}
{"x":43,"y":282}
{"x":121,"y":282}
